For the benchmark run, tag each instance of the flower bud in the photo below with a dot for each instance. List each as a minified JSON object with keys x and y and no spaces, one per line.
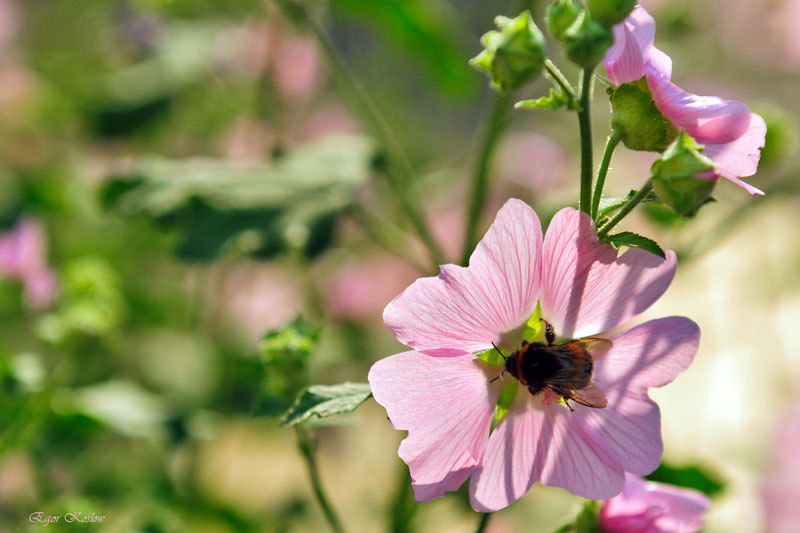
{"x":635,"y":117}
{"x":560,"y":16}
{"x":610,"y":12}
{"x":586,"y":41}
{"x":675,"y":176}
{"x":514,"y":54}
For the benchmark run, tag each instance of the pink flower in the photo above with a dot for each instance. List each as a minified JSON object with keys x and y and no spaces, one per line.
{"x":647,"y":507}
{"x":781,"y":491}
{"x":444,"y":396}
{"x":23,"y":257}
{"x":732,"y":135}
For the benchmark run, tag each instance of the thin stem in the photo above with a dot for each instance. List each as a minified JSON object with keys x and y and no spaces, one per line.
{"x":483,"y":523}
{"x":307,"y":450}
{"x":399,"y":171}
{"x":627,"y":208}
{"x":386,"y":236}
{"x":498,"y":120}
{"x":585,"y":123}
{"x":611,"y":144}
{"x":562,"y":81}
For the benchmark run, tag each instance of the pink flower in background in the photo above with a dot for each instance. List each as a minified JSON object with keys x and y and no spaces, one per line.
{"x":732,"y":135}
{"x":444,"y":396}
{"x":23,"y":257}
{"x":647,"y":507}
{"x":782,"y":480}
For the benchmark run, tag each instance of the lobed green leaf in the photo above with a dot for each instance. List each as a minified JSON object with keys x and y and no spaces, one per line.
{"x":323,"y":401}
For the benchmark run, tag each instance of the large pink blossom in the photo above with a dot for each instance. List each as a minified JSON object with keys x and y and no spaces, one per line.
{"x":23,"y":257}
{"x":647,"y":507}
{"x":732,"y":135}
{"x":444,"y":396}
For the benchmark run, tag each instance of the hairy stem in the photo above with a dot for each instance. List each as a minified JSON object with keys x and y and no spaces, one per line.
{"x":399,"y":171}
{"x":611,"y":144}
{"x":585,"y":123}
{"x":627,"y":208}
{"x":556,"y":74}
{"x":306,"y":447}
{"x":483,"y":523}
{"x":496,"y":123}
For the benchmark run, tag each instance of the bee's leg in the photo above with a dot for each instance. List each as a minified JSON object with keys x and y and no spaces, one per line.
{"x":549,"y":332}
{"x":566,"y":402}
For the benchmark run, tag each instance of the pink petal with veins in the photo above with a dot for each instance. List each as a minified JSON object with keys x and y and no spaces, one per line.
{"x":586,"y":287}
{"x":447,"y":405}
{"x":548,"y":444}
{"x":464,"y":310}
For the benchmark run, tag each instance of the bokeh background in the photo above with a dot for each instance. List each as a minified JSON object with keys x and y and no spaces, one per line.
{"x":182,"y":177}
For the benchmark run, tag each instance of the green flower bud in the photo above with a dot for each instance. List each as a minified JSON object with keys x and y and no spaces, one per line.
{"x":674,"y":176}
{"x":560,"y":16}
{"x":610,"y":12}
{"x":586,"y":41}
{"x":514,"y":54}
{"x":635,"y":117}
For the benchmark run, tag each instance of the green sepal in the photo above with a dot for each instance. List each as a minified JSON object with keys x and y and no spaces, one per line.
{"x":587,"y":519}
{"x":674,"y":176}
{"x":491,"y":356}
{"x":586,"y":41}
{"x":628,"y":238}
{"x":513,"y":54}
{"x":505,"y":400}
{"x":322,"y":401}
{"x":561,"y":14}
{"x":534,"y":324}
{"x":610,"y":12}
{"x":554,"y":100}
{"x":635,"y":117}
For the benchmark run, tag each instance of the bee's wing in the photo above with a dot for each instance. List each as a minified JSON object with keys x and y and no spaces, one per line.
{"x":596,"y":347}
{"x":591,"y":396}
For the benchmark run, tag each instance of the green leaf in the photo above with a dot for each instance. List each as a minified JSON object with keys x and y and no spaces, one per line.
{"x":323,"y":401}
{"x":554,"y":100}
{"x":430,"y":32}
{"x":505,"y":400}
{"x":628,"y":238}
{"x":691,"y":476}
{"x":611,"y":204}
{"x":258,"y":208}
{"x":534,"y":324}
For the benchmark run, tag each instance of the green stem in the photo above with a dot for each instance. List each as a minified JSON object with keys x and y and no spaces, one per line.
{"x":399,"y":171}
{"x":627,"y":208}
{"x":497,"y":122}
{"x":307,"y":450}
{"x":483,"y":523}
{"x":562,"y":81}
{"x":611,"y":144}
{"x":585,"y":123}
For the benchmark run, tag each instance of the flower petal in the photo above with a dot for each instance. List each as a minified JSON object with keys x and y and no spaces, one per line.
{"x":586,"y":287}
{"x":624,"y":62}
{"x":464,"y":310}
{"x":648,"y":506}
{"x":708,"y":119}
{"x":633,"y":48}
{"x":740,"y":158}
{"x":649,"y":355}
{"x":550,"y":445}
{"x":447,"y":406}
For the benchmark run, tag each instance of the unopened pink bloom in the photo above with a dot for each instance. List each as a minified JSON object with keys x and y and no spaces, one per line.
{"x":647,"y":507}
{"x":732,"y":135}
{"x":23,"y":257}
{"x":443,"y":395}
